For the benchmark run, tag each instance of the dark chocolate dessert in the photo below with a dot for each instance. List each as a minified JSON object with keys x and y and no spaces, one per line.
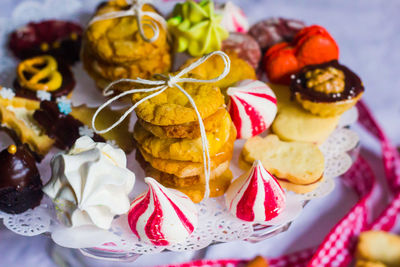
{"x":20,"y":184}
{"x":64,"y":129}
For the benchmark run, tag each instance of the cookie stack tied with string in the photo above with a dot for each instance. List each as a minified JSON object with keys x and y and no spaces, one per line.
{"x":184,"y":134}
{"x":125,"y":39}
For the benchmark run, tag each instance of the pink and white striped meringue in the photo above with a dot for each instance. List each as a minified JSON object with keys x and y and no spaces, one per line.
{"x":233,"y":18}
{"x":162,"y":216}
{"x":255,"y":196}
{"x":252,"y":107}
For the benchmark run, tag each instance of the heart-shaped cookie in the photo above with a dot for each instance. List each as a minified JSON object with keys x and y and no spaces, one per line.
{"x":297,"y":164}
{"x":312,"y":45}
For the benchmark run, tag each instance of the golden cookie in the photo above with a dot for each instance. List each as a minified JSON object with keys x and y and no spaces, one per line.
{"x":187,"y":130}
{"x":362,"y":263}
{"x":298,"y":162}
{"x":172,"y":107}
{"x":293,"y":123}
{"x":240,"y":70}
{"x":120,"y":134}
{"x":379,"y":246}
{"x":118,"y":40}
{"x":17,"y":116}
{"x":182,"y":149}
{"x":104,"y":72}
{"x":188,"y":168}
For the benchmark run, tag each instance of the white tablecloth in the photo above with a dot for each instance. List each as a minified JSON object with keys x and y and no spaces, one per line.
{"x":368,"y":33}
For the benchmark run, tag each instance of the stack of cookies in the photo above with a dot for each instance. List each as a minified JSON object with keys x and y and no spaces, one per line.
{"x":114,"y":48}
{"x":168,"y":139}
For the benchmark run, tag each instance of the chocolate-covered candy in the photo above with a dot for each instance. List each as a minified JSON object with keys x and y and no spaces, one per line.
{"x":20,"y":183}
{"x":245,"y":46}
{"x":326,"y":82}
{"x":275,"y":30}
{"x":64,"y":129}
{"x":61,"y":39}
{"x":66,"y":87}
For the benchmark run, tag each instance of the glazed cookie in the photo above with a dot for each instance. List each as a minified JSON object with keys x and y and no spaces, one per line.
{"x":183,"y":149}
{"x":118,"y":40}
{"x":173,"y":108}
{"x":240,"y":70}
{"x":293,"y":123}
{"x":378,"y":247}
{"x":188,"y":168}
{"x":295,"y":162}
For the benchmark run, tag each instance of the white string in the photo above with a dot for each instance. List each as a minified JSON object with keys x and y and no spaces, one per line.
{"x":135,"y":10}
{"x":160,"y":86}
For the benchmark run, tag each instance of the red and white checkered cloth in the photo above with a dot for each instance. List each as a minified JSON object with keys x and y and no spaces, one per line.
{"x":337,"y":249}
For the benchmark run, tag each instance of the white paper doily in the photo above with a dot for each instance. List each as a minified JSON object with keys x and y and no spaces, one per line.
{"x":216,"y":225}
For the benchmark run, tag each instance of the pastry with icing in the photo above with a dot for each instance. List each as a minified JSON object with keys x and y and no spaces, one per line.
{"x":197,"y":28}
{"x":20,"y":183}
{"x":233,"y":17}
{"x":43,"y":78}
{"x":327,"y":89}
{"x":162,"y":216}
{"x":294,"y":123}
{"x":90,"y":184}
{"x":16,"y":118}
{"x":116,"y":47}
{"x":255,"y":196}
{"x":298,"y":166}
{"x":252,"y":107}
{"x":60,"y":39}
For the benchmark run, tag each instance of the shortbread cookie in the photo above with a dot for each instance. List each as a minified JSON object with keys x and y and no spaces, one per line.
{"x":183,"y":149}
{"x":378,"y":246}
{"x":297,"y":188}
{"x":188,"y":168}
{"x":172,"y":107}
{"x":293,"y":123}
{"x":189,"y":130}
{"x":298,"y":162}
{"x":214,"y":66}
{"x":120,"y":134}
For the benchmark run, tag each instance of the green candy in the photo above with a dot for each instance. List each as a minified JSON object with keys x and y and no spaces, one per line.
{"x":197,"y":29}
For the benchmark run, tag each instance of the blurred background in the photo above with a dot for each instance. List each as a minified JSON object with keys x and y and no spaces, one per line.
{"x":368,"y":34}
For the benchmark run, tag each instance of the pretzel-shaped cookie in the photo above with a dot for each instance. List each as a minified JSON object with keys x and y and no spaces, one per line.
{"x":39,"y":74}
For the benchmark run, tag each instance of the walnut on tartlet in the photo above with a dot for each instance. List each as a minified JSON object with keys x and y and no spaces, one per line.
{"x":326,"y":89}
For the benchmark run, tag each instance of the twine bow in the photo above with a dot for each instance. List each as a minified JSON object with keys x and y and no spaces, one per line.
{"x":135,"y":10}
{"x":160,"y":86}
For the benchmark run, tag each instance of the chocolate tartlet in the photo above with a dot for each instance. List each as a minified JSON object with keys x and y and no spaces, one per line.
{"x":20,"y":184}
{"x":64,"y":129}
{"x":326,"y":89}
{"x":61,"y":39}
{"x":65,"y":87}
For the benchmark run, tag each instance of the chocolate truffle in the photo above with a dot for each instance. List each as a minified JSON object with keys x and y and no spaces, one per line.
{"x":20,"y":183}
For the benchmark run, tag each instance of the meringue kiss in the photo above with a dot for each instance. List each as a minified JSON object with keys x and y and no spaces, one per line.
{"x":255,"y":196}
{"x":252,"y":107}
{"x":162,"y":216}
